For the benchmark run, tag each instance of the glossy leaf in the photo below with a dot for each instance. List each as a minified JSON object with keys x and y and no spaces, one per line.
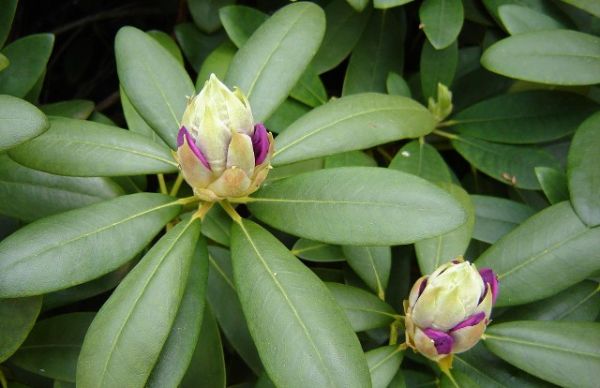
{"x":378,"y":52}
{"x":494,"y":217}
{"x":553,"y":183}
{"x":437,"y":66}
{"x":206,"y":13}
{"x":217,"y":225}
{"x":29,"y":194}
{"x":6,"y":17}
{"x":309,"y":89}
{"x":19,"y":122}
{"x":511,"y":164}
{"x":316,"y":251}
{"x":167,"y":43}
{"x":268,"y":66}
{"x":364,"y":310}
{"x":582,"y":171}
{"x":331,"y":209}
{"x":344,"y":27}
{"x":396,"y":85}
{"x":52,"y":348}
{"x":125,"y":339}
{"x":423,"y":160}
{"x":240,"y":22}
{"x":289,"y":111}
{"x":156,"y":84}
{"x":442,"y":21}
{"x":385,"y":4}
{"x":84,"y":148}
{"x":358,"y":5}
{"x":74,"y":109}
{"x":383,"y":364}
{"x":297,"y":168}
{"x":435,"y":251}
{"x":217,"y":62}
{"x":178,"y":350}
{"x":372,"y":265}
{"x":546,"y":254}
{"x":518,"y":19}
{"x":195,"y":44}
{"x":307,"y":316}
{"x":28,"y":57}
{"x":558,"y":57}
{"x":350,"y":159}
{"x":564,"y":353}
{"x":17,"y":316}
{"x":4,"y":62}
{"x":527,"y":117}
{"x":70,"y":248}
{"x":340,"y":124}
{"x":135,"y":122}
{"x":589,"y":6}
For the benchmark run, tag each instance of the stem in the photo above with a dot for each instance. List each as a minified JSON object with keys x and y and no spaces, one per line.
{"x":385,"y":154}
{"x":445,"y":134}
{"x":241,"y":200}
{"x":187,"y":200}
{"x":448,"y":123}
{"x":3,"y":381}
{"x":231,"y":211}
{"x":202,"y":210}
{"x":176,"y":185}
{"x":162,"y":184}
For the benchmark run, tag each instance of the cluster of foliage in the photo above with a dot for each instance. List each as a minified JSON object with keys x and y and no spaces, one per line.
{"x":407,"y":133}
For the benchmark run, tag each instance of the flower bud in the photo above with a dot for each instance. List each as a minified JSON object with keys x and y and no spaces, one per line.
{"x":448,"y":311}
{"x":222,"y":153}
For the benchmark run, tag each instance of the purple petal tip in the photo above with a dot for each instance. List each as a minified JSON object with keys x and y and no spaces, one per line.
{"x":180,"y":135}
{"x":471,"y":321}
{"x":260,"y":143}
{"x":442,"y":341}
{"x":185,"y":134}
{"x":489,"y":277}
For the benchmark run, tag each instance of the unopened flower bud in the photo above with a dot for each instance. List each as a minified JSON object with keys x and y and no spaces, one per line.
{"x":448,"y":311}
{"x":222,"y":153}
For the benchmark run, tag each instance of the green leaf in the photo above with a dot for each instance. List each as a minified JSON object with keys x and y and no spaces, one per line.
{"x":4,"y":62}
{"x":206,"y":13}
{"x":358,"y":5}
{"x":217,"y":225}
{"x":28,"y":57}
{"x":385,"y":4}
{"x":494,"y":217}
{"x":70,"y":248}
{"x":29,"y":194}
{"x":435,"y":251}
{"x":17,"y":316}
{"x":331,"y":209}
{"x":423,"y":160}
{"x":518,"y":19}
{"x":317,"y":251}
{"x":75,"y":109}
{"x":125,"y":339}
{"x":289,"y":111}
{"x":135,"y":122}
{"x":442,"y":21}
{"x":340,"y":124}
{"x":84,"y":148}
{"x":546,"y":254}
{"x":580,"y":302}
{"x":383,"y":364}
{"x":582,"y":171}
{"x":308,"y":318}
{"x":167,"y":43}
{"x":437,"y":66}
{"x":589,"y":6}
{"x":268,"y":66}
{"x":564,"y":353}
{"x":364,"y":310}
{"x":553,"y":183}
{"x":558,"y":57}
{"x":225,"y":304}
{"x":372,"y":265}
{"x":309,"y":89}
{"x":7,"y":13}
{"x":216,"y":62}
{"x":396,"y":85}
{"x":511,"y":164}
{"x":379,"y":51}
{"x":52,"y":347}
{"x":528,"y":117}
{"x":344,"y":28}
{"x":240,"y":22}
{"x":19,"y":121}
{"x":292,"y":169}
{"x":154,"y":81}
{"x":350,"y":159}
{"x":207,"y":367}
{"x":196,"y":45}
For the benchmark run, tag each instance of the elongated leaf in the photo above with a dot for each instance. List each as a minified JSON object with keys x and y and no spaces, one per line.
{"x":558,"y":57}
{"x":385,"y":4}
{"x":206,"y":13}
{"x":225,"y":304}
{"x":437,"y":66}
{"x":358,"y":5}
{"x":74,"y":109}
{"x":6,"y":17}
{"x":379,"y":51}
{"x":28,"y":57}
{"x":511,"y":164}
{"x":546,"y":254}
{"x":344,"y":27}
{"x":216,"y":62}
{"x":135,"y":122}
{"x":52,"y":348}
{"x":423,"y":160}
{"x":309,"y":89}
{"x":268,"y":66}
{"x":494,"y":217}
{"x":564,"y":353}
{"x":582,"y":171}
{"x":364,"y":310}
{"x":518,"y":19}
{"x":317,"y":251}
{"x":350,"y":159}
{"x":553,"y":183}
{"x":84,"y":148}
{"x":578,"y":303}
{"x":527,"y":117}
{"x":29,"y":194}
{"x":17,"y":316}
{"x":195,"y":44}
{"x":308,"y":318}
{"x":396,"y":85}
{"x":70,"y":248}
{"x":154,"y":81}
{"x":125,"y":339}
{"x":442,"y":21}
{"x":178,"y":350}
{"x":19,"y":122}
{"x":4,"y":62}
{"x":372,"y":265}
{"x":589,"y":6}
{"x":217,"y":225}
{"x":240,"y":22}
{"x":339,"y":126}
{"x":167,"y":43}
{"x":383,"y":364}
{"x":435,"y":251}
{"x":330,"y":208}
